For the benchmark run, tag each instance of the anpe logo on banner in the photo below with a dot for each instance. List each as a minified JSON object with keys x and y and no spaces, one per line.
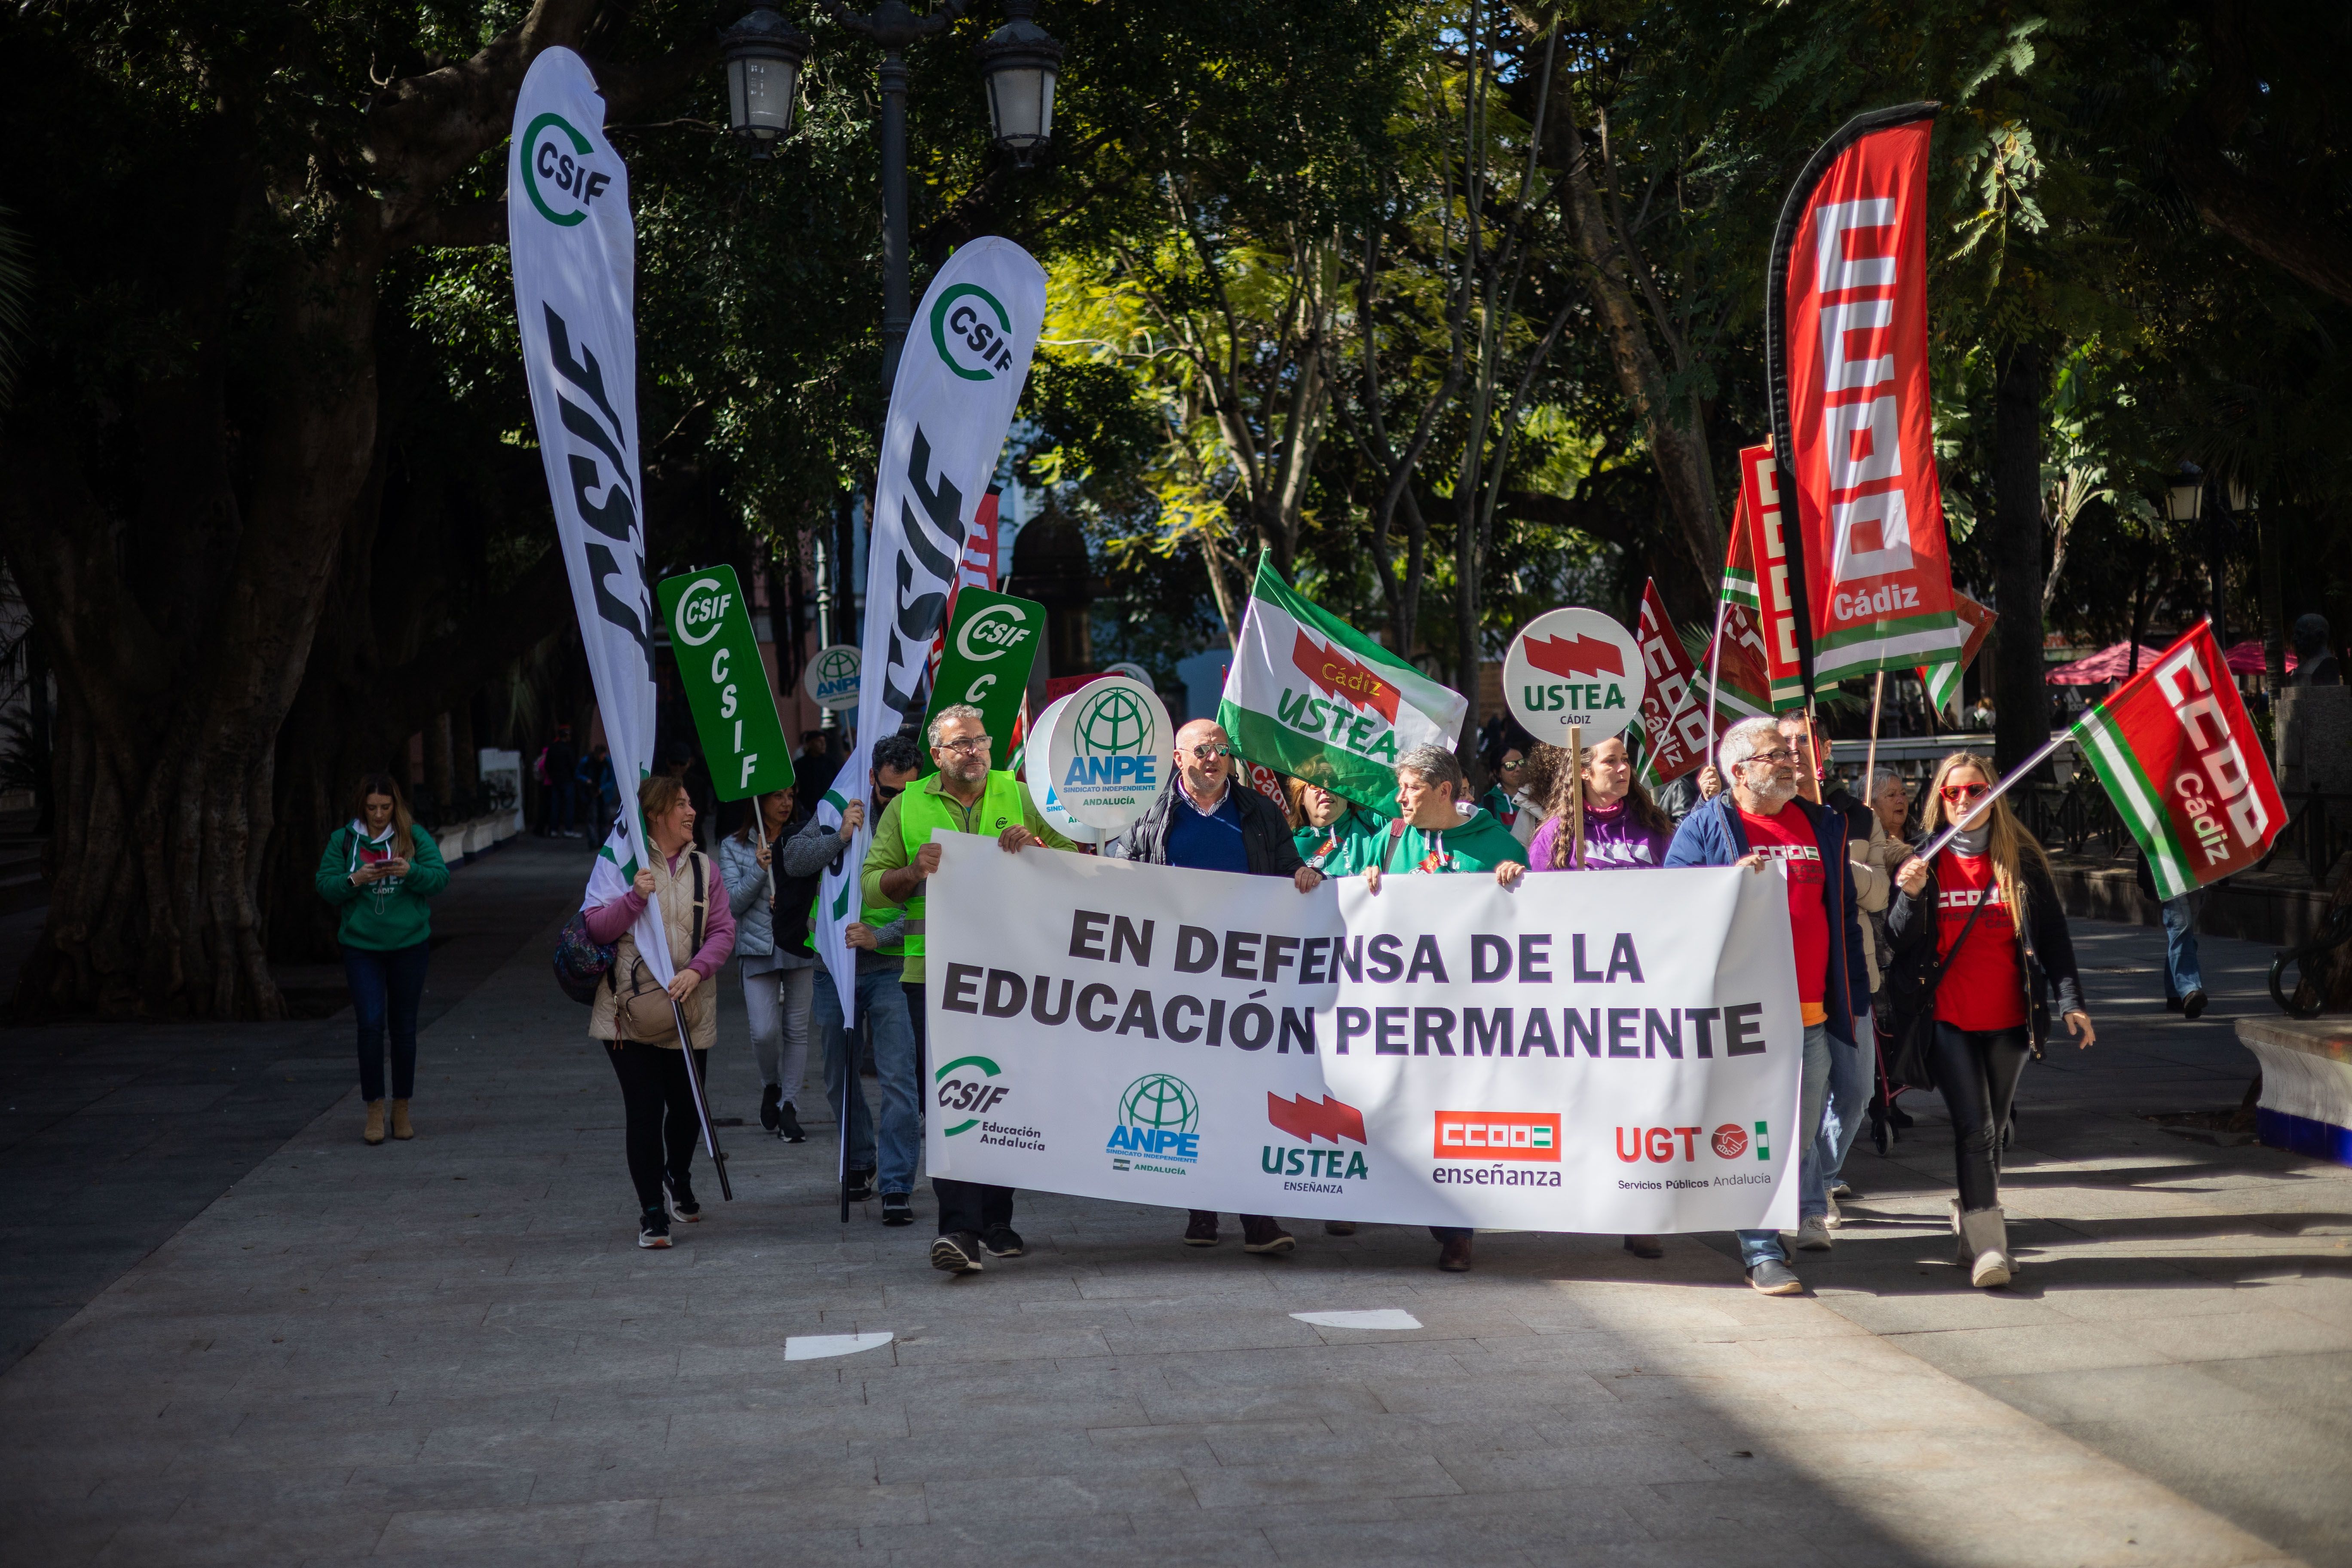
{"x":1158,"y":1123}
{"x":972,"y":345}
{"x":1498,"y":1135}
{"x":547,"y":169}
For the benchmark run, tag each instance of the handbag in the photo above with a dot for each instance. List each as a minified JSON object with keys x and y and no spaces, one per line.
{"x":582,"y":962}
{"x":645,"y":1013}
{"x":1915,"y":1017}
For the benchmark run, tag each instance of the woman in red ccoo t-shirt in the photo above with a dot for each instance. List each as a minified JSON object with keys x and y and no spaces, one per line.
{"x":1985,"y":917}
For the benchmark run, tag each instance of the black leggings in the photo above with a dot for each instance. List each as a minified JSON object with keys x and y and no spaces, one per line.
{"x":662,"y":1124}
{"x":1977,"y":1072}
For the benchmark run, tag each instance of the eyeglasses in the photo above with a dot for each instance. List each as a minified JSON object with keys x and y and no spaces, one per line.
{"x":1781,"y":756}
{"x":1203,"y":753}
{"x":1958,"y":793}
{"x":966,"y":746}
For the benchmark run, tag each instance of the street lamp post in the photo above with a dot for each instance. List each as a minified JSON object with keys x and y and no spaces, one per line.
{"x":1023,"y":64}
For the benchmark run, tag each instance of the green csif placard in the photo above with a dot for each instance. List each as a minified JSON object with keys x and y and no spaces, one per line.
{"x":992,"y":642}
{"x":725,"y":685}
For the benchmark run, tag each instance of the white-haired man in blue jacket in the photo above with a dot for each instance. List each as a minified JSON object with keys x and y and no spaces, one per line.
{"x":1760,"y":819}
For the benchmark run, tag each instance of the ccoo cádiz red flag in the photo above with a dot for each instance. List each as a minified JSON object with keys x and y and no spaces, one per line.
{"x":1846,"y":345}
{"x":2183,"y":765}
{"x":1674,"y":716}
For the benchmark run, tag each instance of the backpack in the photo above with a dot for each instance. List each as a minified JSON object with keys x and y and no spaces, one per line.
{"x":583,"y":964}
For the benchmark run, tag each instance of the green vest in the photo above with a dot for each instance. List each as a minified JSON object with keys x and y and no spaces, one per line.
{"x":921,"y":813}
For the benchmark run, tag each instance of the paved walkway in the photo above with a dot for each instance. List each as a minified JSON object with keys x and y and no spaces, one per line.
{"x":452,"y":1351}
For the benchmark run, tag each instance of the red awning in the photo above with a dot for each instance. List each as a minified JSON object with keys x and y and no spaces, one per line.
{"x":2246,"y":657}
{"x":2108,"y":664}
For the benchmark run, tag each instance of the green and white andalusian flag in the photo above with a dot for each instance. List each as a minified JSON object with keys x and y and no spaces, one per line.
{"x":1311,"y":695}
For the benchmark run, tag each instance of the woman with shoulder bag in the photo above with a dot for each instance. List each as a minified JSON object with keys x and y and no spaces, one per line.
{"x":633,"y":1015}
{"x":378,"y":870}
{"x":772,"y":953}
{"x":1980,"y":947}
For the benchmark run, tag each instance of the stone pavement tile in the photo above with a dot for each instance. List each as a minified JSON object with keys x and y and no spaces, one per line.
{"x":1401,"y":1475}
{"x":687,"y":1512}
{"x":2217,"y":1337}
{"x":1014,"y":1411}
{"x":1038,"y":1496}
{"x":1244,"y":1402}
{"x":529,"y":1525}
{"x":978,"y":1455}
{"x":779,"y":1536}
{"x":1182,"y":1538}
{"x":1911,"y":1311}
{"x":1967,"y":1353}
{"x":2317,"y":1388}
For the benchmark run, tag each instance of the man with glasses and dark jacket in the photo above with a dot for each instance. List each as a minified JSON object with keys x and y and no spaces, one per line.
{"x":1759,"y":819}
{"x":1207,"y":820}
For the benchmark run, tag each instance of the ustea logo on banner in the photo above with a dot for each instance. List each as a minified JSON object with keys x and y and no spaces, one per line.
{"x":1159,"y":1126}
{"x":556,"y":172}
{"x":1307,"y":1121}
{"x":972,"y":332}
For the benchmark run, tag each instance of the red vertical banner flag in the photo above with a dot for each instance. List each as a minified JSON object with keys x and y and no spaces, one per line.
{"x":1761,"y":535}
{"x":1849,"y":352}
{"x":2185,"y":768}
{"x":1674,"y":716}
{"x":976,"y":567}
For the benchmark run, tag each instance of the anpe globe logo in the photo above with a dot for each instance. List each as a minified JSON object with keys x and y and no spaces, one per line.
{"x":1159,"y":1120}
{"x":972,"y":332}
{"x":551,"y":173}
{"x":1115,"y":722}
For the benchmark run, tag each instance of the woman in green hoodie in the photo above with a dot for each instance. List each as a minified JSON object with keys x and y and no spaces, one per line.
{"x":1323,"y":825}
{"x":378,"y":870}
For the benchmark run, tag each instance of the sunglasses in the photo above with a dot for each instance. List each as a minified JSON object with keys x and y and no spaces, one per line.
{"x":1203,"y":753}
{"x":1955,"y":794}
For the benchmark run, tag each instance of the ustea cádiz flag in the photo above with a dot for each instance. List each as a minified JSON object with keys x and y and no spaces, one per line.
{"x":1311,"y":695}
{"x":2183,"y":765}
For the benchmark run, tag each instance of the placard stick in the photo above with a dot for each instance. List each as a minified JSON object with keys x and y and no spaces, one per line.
{"x":1575,"y":797}
{"x":1810,"y":785}
{"x":1714,"y":674}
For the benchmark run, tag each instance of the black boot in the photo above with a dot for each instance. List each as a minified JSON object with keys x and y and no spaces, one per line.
{"x":771,"y":1099}
{"x":788,"y":1129}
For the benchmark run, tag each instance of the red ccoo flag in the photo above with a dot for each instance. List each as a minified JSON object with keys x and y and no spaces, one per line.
{"x":1568,"y":658}
{"x":1334,"y":674}
{"x":1306,"y":1120}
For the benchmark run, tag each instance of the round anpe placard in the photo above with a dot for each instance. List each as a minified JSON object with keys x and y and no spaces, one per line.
{"x":1574,"y":669}
{"x":1049,"y":806}
{"x":1108,"y":751}
{"x":831,"y":678}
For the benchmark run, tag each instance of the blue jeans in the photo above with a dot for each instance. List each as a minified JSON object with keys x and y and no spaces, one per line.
{"x":882,"y":1009}
{"x":1849,"y":1094}
{"x":386,"y":985}
{"x":2182,"y":974}
{"x":1756,"y":1246}
{"x":559,"y":806}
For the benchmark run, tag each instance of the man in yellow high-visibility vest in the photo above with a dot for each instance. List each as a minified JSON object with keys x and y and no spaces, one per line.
{"x":964,"y":796}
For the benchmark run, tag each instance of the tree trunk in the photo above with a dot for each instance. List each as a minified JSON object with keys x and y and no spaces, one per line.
{"x":1678,"y":448}
{"x":2020,"y":699}
{"x":2269,"y":537}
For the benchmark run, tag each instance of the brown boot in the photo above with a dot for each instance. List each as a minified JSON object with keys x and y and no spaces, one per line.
{"x":1453,"y":1258}
{"x":374,"y":1133}
{"x":400,"y":1127}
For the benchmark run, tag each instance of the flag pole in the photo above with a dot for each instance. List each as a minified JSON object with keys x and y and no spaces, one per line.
{"x":701,"y":1102}
{"x":1870,"y":758}
{"x":1936,"y":847}
{"x":1714,"y":673}
{"x":1575,"y":823}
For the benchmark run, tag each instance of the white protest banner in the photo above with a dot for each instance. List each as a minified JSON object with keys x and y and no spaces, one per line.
{"x":1611,"y":1051}
{"x":574,"y":258}
{"x":960,"y":376}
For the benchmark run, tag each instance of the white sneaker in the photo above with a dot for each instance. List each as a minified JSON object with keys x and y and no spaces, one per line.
{"x":1833,"y":1219}
{"x":1812,"y":1234}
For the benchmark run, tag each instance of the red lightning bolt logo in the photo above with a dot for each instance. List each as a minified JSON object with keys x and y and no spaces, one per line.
{"x":1334,"y":674}
{"x":1306,"y":1120}
{"x":1568,"y":658}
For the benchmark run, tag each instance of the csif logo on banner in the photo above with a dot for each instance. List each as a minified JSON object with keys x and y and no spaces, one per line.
{"x":556,"y":174}
{"x":972,"y":332}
